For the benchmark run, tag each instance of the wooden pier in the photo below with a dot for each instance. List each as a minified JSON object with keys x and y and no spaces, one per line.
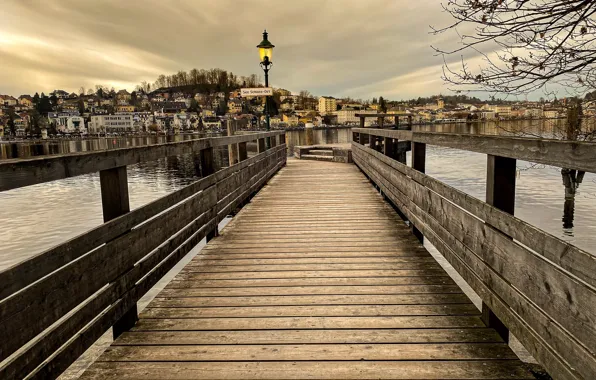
{"x":325,"y":283}
{"x":317,"y":276}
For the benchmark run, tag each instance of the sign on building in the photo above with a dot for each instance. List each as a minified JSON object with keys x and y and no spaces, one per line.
{"x":263,"y":91}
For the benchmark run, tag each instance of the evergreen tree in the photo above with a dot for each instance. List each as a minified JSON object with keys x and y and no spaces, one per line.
{"x":382,"y":105}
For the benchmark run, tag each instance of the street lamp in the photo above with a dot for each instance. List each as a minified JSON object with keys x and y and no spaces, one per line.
{"x":265,"y":53}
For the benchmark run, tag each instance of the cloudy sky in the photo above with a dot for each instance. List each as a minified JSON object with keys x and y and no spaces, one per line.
{"x":357,"y":48}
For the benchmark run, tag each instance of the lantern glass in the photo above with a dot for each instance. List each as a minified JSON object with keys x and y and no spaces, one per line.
{"x":265,"y":52}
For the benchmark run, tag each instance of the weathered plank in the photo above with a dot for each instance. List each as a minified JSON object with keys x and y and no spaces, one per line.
{"x":310,"y":352}
{"x":310,"y":311}
{"x":474,"y":335}
{"x":321,"y":370}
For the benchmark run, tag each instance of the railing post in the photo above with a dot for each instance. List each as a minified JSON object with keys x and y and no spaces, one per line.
{"x":418,"y":163}
{"x":500,"y":193}
{"x":396,"y":121}
{"x":362,"y":121}
{"x":232,"y":148}
{"x":372,"y":141}
{"x":260,"y":145}
{"x":208,"y":168}
{"x":389,"y":147}
{"x":242,"y":152}
{"x":114,"y":202}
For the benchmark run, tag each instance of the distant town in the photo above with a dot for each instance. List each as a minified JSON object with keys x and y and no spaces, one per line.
{"x":205,"y":100}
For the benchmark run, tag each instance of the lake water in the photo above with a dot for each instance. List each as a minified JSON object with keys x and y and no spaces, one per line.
{"x":38,"y":217}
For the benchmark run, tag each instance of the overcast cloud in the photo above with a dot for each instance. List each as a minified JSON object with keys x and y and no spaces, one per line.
{"x":361,"y":48}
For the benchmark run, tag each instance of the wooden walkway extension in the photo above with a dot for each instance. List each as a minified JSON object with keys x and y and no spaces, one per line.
{"x":316,"y":278}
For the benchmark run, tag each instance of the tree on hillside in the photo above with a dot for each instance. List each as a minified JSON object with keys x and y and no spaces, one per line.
{"x":537,"y":42}
{"x":11,"y":124}
{"x":81,"y":106}
{"x":44,"y":106}
{"x":54,"y":100}
{"x":382,"y":105}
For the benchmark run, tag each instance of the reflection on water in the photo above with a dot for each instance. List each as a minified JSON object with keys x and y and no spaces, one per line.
{"x":38,"y":217}
{"x":551,"y":128}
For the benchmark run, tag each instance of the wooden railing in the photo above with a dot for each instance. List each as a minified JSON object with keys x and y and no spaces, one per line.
{"x":539,"y":287}
{"x":58,"y":303}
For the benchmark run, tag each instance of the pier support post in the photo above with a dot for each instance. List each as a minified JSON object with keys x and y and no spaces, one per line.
{"x":232,"y":148}
{"x":242,"y":152}
{"x":260,"y":145}
{"x":500,"y":193}
{"x":208,"y":168}
{"x":114,"y":202}
{"x":418,"y":163}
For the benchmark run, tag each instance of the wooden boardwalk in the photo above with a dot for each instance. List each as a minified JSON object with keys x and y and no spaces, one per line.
{"x":316,"y":278}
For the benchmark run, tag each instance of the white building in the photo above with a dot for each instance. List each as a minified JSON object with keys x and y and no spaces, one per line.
{"x":60,"y":119}
{"x":111,"y":123}
{"x":75,"y":124}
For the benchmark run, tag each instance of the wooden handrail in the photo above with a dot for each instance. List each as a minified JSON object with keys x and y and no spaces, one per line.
{"x":538,"y":286}
{"x":58,"y":303}
{"x":579,"y":155}
{"x":15,"y":173}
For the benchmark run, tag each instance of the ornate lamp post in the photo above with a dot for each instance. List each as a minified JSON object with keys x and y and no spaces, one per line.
{"x":265,"y":53}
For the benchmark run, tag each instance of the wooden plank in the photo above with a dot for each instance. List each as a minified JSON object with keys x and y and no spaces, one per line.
{"x":290,"y":323}
{"x":304,"y":290}
{"x":309,"y":311}
{"x":473,"y":335}
{"x":310,"y":352}
{"x":321,"y":370}
{"x":370,"y":299}
{"x":224,"y":260}
{"x":313,"y":267}
{"x":194,"y":280}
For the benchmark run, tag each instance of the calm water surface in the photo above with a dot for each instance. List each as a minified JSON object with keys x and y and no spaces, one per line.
{"x":38,"y":217}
